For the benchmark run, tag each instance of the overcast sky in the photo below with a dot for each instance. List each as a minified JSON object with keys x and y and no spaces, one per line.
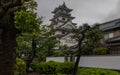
{"x":85,"y":11}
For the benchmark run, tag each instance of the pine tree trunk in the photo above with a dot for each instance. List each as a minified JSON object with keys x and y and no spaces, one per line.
{"x":7,"y":44}
{"x":7,"y":36}
{"x":81,"y":38}
{"x":75,"y":68}
{"x":7,"y":53}
{"x":31,"y":55}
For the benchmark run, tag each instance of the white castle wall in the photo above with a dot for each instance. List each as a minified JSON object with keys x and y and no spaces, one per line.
{"x":109,"y":62}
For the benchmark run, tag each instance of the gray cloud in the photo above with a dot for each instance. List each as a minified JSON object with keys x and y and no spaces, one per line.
{"x":115,"y":14}
{"x":85,"y":11}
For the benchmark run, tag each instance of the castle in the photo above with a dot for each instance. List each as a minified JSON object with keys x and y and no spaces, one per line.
{"x":62,"y":23}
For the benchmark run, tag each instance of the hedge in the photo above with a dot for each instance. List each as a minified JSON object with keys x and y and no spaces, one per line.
{"x":100,"y":51}
{"x":96,"y":71}
{"x":66,"y":68}
{"x":53,"y":67}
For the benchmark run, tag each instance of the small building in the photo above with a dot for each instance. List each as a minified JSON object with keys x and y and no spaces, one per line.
{"x":62,"y":23}
{"x":111,"y":32}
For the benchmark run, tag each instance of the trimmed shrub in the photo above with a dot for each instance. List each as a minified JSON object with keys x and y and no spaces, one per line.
{"x":96,"y":71}
{"x":100,"y":51}
{"x":45,"y":67}
{"x":20,"y":67}
{"x":52,"y":67}
{"x":65,"y":68}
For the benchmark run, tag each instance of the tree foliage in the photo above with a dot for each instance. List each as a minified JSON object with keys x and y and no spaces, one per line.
{"x":36,"y":39}
{"x":26,"y":20}
{"x":28,"y":24}
{"x":47,"y":40}
{"x":20,"y":67}
{"x":93,"y":39}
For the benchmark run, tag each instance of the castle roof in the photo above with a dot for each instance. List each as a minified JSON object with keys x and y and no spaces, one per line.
{"x":63,"y":29}
{"x":63,"y":7}
{"x":66,"y":15}
{"x":74,"y":24}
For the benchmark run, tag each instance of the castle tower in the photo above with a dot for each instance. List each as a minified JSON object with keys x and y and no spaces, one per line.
{"x":62,"y":22}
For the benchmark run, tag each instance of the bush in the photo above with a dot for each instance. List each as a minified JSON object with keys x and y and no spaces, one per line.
{"x":45,"y":67}
{"x":100,"y":51}
{"x":65,"y":68}
{"x":58,"y":53}
{"x":52,"y":67}
{"x":20,"y":67}
{"x":96,"y":71}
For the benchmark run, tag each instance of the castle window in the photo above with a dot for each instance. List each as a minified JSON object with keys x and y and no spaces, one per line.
{"x":63,"y":32}
{"x":63,"y":19}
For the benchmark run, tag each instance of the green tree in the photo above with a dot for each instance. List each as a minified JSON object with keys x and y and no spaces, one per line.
{"x":23,"y":22}
{"x":28,"y":23}
{"x":88,"y":38}
{"x":47,"y":40}
{"x":93,"y":39}
{"x":34,"y":48}
{"x":80,"y":38}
